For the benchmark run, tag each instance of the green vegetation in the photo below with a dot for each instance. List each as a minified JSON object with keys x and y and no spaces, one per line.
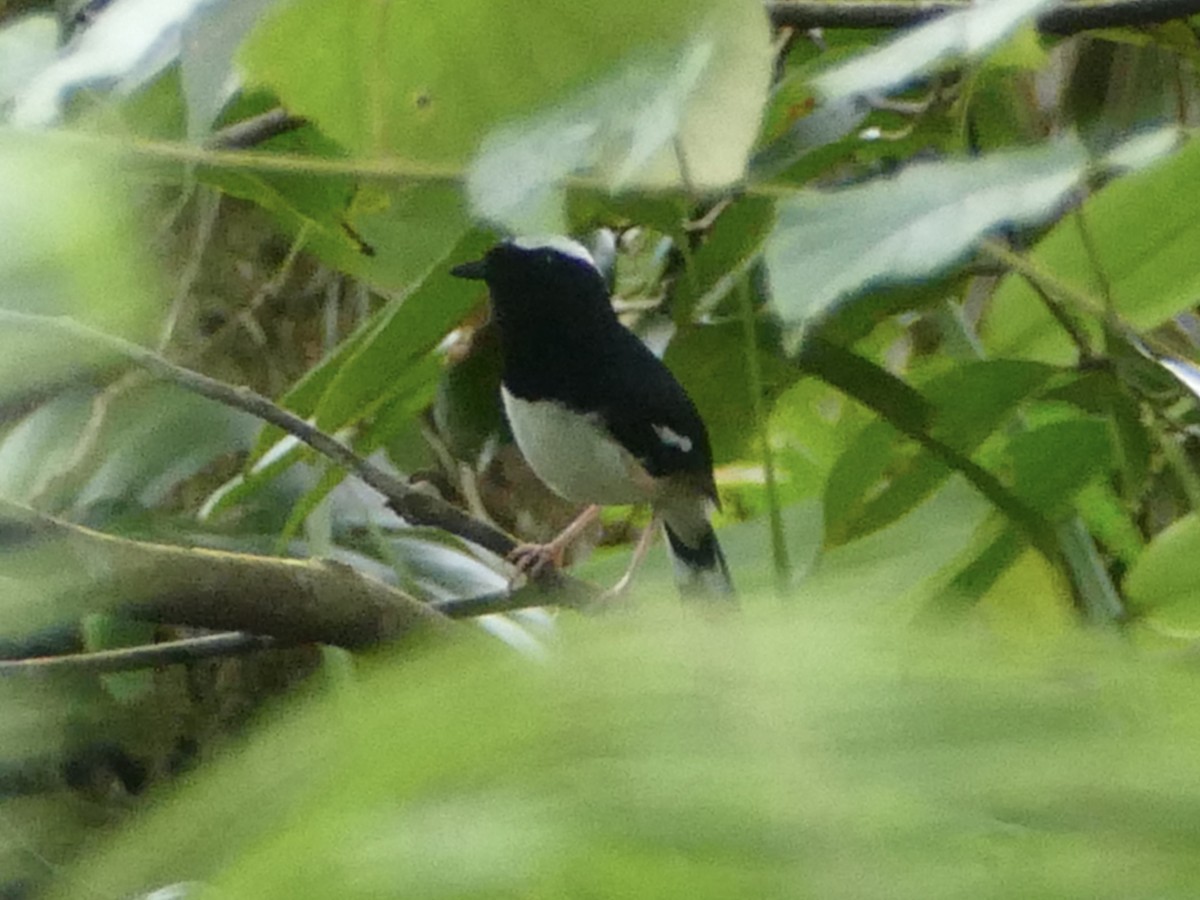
{"x":933,"y":289}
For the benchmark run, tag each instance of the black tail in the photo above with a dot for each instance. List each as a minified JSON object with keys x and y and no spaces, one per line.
{"x":700,"y":570}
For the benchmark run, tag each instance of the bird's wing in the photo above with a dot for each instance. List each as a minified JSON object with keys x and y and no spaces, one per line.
{"x":654,"y":419}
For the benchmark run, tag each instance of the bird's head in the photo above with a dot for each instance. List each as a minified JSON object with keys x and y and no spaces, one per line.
{"x":545,"y":276}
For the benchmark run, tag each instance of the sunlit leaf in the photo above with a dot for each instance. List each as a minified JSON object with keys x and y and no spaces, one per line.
{"x":206,"y":57}
{"x":831,"y":244}
{"x":1164,"y":583}
{"x":129,"y":43}
{"x":27,"y":46}
{"x":964,"y":34}
{"x":622,"y":89}
{"x":1143,"y":229}
{"x":686,"y":117}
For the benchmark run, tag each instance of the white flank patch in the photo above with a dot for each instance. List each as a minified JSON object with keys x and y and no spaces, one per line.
{"x":574,"y":456}
{"x":673,"y":438}
{"x":559,"y":244}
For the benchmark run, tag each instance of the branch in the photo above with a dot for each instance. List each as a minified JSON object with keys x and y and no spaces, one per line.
{"x":235,"y":643}
{"x":1070,"y":18}
{"x":255,"y":130}
{"x":69,"y":571}
{"x":416,"y":506}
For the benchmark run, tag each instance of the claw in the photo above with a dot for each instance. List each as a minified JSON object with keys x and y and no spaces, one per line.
{"x":531,"y":560}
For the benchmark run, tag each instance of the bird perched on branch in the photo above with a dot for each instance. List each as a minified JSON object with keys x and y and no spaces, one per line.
{"x":596,"y":414}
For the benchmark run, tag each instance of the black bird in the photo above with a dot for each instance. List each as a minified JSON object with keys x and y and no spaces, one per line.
{"x":596,"y":414}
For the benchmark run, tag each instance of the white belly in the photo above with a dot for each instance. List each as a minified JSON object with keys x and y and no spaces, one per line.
{"x":573,"y":456}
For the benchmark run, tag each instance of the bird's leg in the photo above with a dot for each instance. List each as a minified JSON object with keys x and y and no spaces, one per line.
{"x":639,"y":554}
{"x":531,"y":559}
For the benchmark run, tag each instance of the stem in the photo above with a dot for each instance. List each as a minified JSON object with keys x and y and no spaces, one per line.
{"x":779,"y":553}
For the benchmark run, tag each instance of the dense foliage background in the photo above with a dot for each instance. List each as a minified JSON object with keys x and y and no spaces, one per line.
{"x":931,"y":277}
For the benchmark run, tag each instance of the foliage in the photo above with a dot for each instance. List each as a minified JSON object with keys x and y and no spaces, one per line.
{"x":665,"y":756}
{"x":933,"y":294}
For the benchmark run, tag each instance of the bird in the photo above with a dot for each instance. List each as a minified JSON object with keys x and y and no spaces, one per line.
{"x":599,"y":418}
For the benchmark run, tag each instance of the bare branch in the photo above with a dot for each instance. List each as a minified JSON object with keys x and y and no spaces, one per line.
{"x":412,"y":504}
{"x":253,"y":131}
{"x":240,"y":643}
{"x":75,"y":570}
{"x":1069,"y":18}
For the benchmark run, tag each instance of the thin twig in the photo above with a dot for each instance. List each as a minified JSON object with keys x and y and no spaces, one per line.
{"x":415,"y":506}
{"x":1093,"y":254}
{"x":148,"y":656}
{"x":1069,"y":18}
{"x":1064,"y":318}
{"x":256,"y":130}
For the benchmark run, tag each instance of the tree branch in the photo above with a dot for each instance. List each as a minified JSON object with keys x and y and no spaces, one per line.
{"x":1067,"y":19}
{"x":238,"y":643}
{"x":416,"y":506}
{"x":255,"y":130}
{"x":66,"y":571}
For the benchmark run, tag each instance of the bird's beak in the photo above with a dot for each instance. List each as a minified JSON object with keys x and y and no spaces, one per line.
{"x":475,"y":271}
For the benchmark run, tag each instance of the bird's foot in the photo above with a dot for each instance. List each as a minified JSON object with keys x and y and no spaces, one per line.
{"x":534,"y":560}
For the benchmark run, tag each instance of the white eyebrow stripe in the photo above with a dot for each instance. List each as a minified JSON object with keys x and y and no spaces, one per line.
{"x":564,"y":245}
{"x":673,"y":438}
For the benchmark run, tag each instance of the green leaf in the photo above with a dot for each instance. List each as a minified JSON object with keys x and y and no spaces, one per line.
{"x":1164,"y":584}
{"x":1144,"y":228}
{"x":69,"y":245}
{"x":389,"y":79}
{"x":736,"y":237}
{"x":403,"y":332}
{"x":882,"y":474}
{"x":710,"y":362}
{"x":1053,"y":462}
{"x":869,"y":383}
{"x":832,"y":244}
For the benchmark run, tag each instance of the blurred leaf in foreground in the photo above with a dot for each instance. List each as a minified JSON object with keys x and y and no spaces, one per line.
{"x":69,"y":246}
{"x":671,"y":756}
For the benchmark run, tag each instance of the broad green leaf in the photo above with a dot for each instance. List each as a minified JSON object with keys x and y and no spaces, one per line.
{"x":387,"y":235}
{"x":1144,"y":228}
{"x":685,"y":115}
{"x":966,"y":34}
{"x":620,"y":91}
{"x":831,"y":244}
{"x":1101,"y":393}
{"x":1164,"y":583}
{"x":392,"y":79}
{"x":1053,"y":462}
{"x":664,"y":756}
